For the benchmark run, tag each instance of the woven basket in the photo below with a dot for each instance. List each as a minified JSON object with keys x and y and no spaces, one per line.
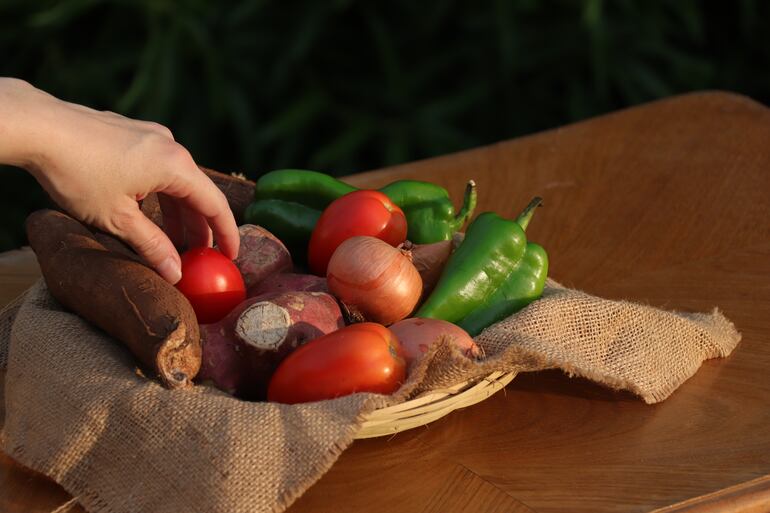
{"x":431,"y":406}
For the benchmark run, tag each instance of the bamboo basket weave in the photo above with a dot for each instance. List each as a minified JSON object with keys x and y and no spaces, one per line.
{"x":431,"y":406}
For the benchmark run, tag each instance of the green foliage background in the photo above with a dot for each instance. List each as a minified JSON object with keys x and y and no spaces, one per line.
{"x":345,"y":85}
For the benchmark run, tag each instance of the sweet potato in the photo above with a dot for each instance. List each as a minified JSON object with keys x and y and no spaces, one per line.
{"x":116,"y":245}
{"x":416,"y":336}
{"x":119,"y":294}
{"x":241,"y":352}
{"x":289,"y":282}
{"x":261,"y":255}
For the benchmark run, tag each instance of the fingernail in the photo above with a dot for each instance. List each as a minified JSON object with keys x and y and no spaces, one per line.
{"x":170,"y":270}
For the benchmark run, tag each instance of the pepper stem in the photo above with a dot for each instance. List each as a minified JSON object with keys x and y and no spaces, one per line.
{"x":469,"y":205}
{"x":526,"y":214}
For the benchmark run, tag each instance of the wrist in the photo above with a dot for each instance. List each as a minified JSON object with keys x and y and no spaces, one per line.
{"x":23,"y":111}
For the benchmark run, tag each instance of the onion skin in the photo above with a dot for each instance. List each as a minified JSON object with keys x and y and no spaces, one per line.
{"x":416,"y":335}
{"x":429,"y":260}
{"x":374,"y":280}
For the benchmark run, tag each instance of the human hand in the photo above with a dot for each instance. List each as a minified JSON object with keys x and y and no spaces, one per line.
{"x":97,"y":165}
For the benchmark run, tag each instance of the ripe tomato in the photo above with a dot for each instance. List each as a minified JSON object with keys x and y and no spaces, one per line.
{"x":363,"y":357}
{"x":357,"y":213}
{"x":211,"y":282}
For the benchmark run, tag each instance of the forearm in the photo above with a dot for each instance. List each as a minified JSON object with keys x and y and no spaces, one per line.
{"x":23,"y":117}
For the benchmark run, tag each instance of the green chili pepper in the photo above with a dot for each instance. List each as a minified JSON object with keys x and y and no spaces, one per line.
{"x":429,"y":212}
{"x":291,"y":222}
{"x":489,"y":254}
{"x":309,"y":188}
{"x":524,"y":285}
{"x":430,"y":215}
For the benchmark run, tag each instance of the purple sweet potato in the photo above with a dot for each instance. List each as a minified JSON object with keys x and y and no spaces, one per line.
{"x":417,"y":335}
{"x":241,"y":352}
{"x":288,"y":282}
{"x":262,"y":255}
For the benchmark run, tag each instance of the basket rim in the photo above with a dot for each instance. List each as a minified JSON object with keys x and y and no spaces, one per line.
{"x":431,"y":405}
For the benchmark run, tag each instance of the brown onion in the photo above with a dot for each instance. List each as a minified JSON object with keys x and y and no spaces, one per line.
{"x":374,"y":280}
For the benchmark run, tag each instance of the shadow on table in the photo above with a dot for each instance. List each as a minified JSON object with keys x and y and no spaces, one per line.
{"x":556,"y":382}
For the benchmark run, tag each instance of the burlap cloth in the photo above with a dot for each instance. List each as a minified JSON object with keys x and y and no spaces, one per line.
{"x":78,"y":411}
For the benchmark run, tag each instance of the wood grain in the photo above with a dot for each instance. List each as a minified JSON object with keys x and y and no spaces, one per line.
{"x":464,"y":491}
{"x":666,"y":204}
{"x":750,"y":497}
{"x":18,"y":271}
{"x":26,"y":491}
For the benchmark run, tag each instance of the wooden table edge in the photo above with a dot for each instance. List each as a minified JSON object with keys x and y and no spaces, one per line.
{"x":748,"y":497}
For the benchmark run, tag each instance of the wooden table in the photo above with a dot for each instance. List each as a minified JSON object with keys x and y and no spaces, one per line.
{"x":668,"y":204}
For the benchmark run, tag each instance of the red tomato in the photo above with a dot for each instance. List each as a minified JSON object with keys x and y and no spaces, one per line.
{"x":357,"y":213}
{"x":363,"y":357}
{"x":211,"y":282}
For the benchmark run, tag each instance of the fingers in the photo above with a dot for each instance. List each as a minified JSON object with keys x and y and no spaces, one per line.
{"x":148,"y":240}
{"x":211,"y":203}
{"x":197,"y":229}
{"x":186,"y":228}
{"x":198,"y":195}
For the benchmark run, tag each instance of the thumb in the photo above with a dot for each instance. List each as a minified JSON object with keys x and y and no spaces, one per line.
{"x":150,"y":242}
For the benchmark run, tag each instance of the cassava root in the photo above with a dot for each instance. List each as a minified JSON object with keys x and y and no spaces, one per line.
{"x":120,"y":295}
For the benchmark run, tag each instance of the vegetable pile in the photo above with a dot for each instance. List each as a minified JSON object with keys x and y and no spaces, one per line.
{"x":335,"y":290}
{"x":388,"y":274}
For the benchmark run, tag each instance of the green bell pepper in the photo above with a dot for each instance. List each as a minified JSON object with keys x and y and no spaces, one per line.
{"x":430,"y":215}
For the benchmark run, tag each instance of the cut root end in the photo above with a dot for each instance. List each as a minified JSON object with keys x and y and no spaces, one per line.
{"x":178,"y":359}
{"x":263,"y":325}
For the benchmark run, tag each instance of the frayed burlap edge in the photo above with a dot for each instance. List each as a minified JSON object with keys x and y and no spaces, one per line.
{"x":610,"y":342}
